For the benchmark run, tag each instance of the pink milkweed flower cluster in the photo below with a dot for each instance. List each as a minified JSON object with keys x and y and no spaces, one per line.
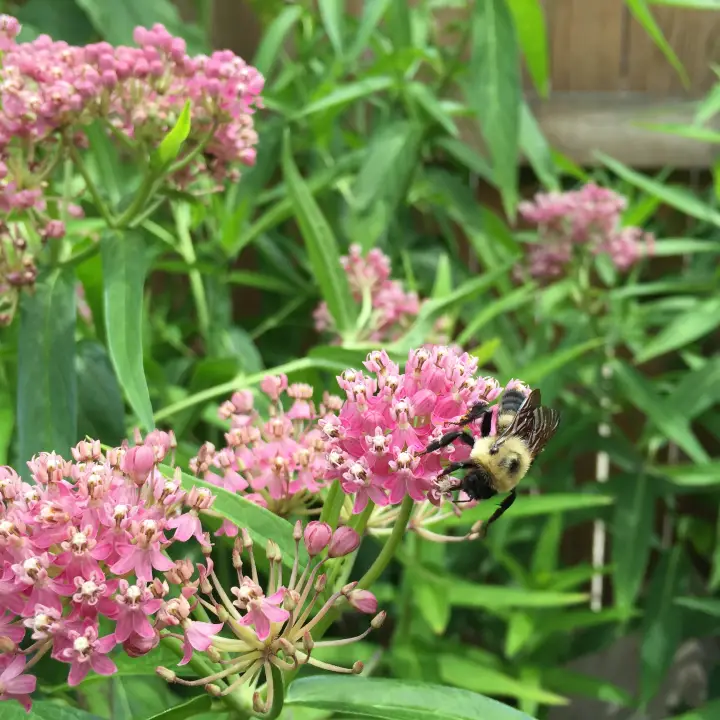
{"x":51,"y":91}
{"x":589,"y":217}
{"x":271,"y":625}
{"x":393,"y":308}
{"x":391,"y":415}
{"x":278,"y":462}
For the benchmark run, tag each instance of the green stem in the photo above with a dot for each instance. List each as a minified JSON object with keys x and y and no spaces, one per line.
{"x":334,"y":491}
{"x":142,"y":196}
{"x":82,"y":256}
{"x":90,"y":185}
{"x":187,"y":251}
{"x":278,"y":694}
{"x":388,"y":551}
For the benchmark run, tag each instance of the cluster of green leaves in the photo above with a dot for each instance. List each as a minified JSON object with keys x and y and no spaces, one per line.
{"x":365,"y":141}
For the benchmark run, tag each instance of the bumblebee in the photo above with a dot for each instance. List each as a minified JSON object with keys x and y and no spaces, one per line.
{"x":498,"y":462}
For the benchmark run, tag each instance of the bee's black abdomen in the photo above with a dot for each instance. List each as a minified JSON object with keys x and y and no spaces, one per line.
{"x":511,"y":401}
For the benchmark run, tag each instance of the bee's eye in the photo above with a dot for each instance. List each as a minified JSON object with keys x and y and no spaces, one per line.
{"x":513,"y":465}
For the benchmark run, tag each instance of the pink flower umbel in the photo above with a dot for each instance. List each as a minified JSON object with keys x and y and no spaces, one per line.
{"x":589,"y":218}
{"x":278,"y":462}
{"x":14,"y":685}
{"x":389,"y":308}
{"x":270,"y":626}
{"x":376,"y":441}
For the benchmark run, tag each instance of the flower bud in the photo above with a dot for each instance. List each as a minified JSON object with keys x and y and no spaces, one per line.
{"x":363,"y":600}
{"x":378,"y":620}
{"x":137,"y":462}
{"x":344,"y":541}
{"x":213,"y":654}
{"x":181,"y":573}
{"x":298,"y":531}
{"x":357,"y":668}
{"x":214,"y":690}
{"x":317,"y":537}
{"x":308,"y":642}
{"x":320,"y":583}
{"x":165,"y":674}
{"x":137,"y":646}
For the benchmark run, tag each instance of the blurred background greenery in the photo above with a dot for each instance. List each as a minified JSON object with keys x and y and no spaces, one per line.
{"x":418,"y":127}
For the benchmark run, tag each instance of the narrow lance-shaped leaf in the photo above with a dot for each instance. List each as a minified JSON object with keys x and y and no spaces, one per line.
{"x":273,"y":38}
{"x":529,"y":17}
{"x":396,"y":699}
{"x":47,"y":384}
{"x":494,"y":92}
{"x":170,"y":145}
{"x":124,"y":268}
{"x":320,"y":243}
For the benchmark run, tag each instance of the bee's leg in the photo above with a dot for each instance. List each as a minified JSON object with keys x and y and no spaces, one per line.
{"x":504,"y":505}
{"x":474,"y":413}
{"x":453,"y":466}
{"x":448,"y":438}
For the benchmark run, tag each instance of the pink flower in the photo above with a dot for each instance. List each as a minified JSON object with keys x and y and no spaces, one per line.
{"x":261,"y":611}
{"x":145,"y":554}
{"x":88,"y":651}
{"x":9,"y":629}
{"x":587,"y":217}
{"x":135,"y":603}
{"x":198,"y":636}
{"x":13,"y":684}
{"x":363,"y":600}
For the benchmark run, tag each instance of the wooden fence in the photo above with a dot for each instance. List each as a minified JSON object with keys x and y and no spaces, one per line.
{"x":608,"y":77}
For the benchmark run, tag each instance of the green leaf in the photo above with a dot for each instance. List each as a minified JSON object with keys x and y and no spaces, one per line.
{"x":532,"y":506}
{"x":332,"y":15}
{"x":687,"y":327}
{"x":345,"y":94}
{"x":495,"y":94}
{"x":124,"y":267}
{"x":170,"y":145}
{"x":388,"y":168}
{"x":466,"y":156}
{"x":430,"y":103}
{"x":473,"y":675}
{"x":373,"y":12}
{"x":45,"y":710}
{"x":395,"y":700}
{"x":462,"y":593}
{"x":116,"y":21}
{"x":641,"y":11}
{"x":46,"y":383}
{"x":536,"y":149}
{"x":573,"y":683}
{"x":690,"y":475}
{"x":59,"y":19}
{"x":690,"y":4}
{"x":505,"y":304}
{"x":273,"y":39}
{"x":529,"y":18}
{"x":693,"y":132}
{"x":259,"y":522}
{"x":189,"y":709}
{"x":709,"y":606}
{"x":101,"y":412}
{"x":661,"y":623}
{"x":679,"y":198}
{"x":545,"y":365}
{"x":320,"y":243}
{"x":640,"y":392}
{"x":430,"y":600}
{"x":632,"y":533}
{"x":433,"y":309}
{"x":7,"y":420}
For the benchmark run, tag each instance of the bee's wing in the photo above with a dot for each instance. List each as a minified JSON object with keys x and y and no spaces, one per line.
{"x":545,"y":423}
{"x":524,"y":420}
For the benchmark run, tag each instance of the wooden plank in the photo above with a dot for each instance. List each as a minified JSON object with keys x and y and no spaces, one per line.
{"x":586,"y":44}
{"x":695,"y":37}
{"x":578,"y":124}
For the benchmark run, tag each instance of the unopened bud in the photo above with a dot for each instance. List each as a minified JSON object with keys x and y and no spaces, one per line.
{"x":308,"y":642}
{"x":291,"y":599}
{"x":206,"y":545}
{"x":259,"y":706}
{"x":357,"y":668}
{"x":214,"y":690}
{"x":287,"y":647}
{"x":246,"y":539}
{"x":363,"y":600}
{"x":320,"y":583}
{"x":222,"y":614}
{"x":349,"y":588}
{"x":378,"y":620}
{"x":213,"y":654}
{"x":317,"y":537}
{"x":344,"y":541}
{"x":165,"y":674}
{"x":237,"y":553}
{"x":298,"y":531}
